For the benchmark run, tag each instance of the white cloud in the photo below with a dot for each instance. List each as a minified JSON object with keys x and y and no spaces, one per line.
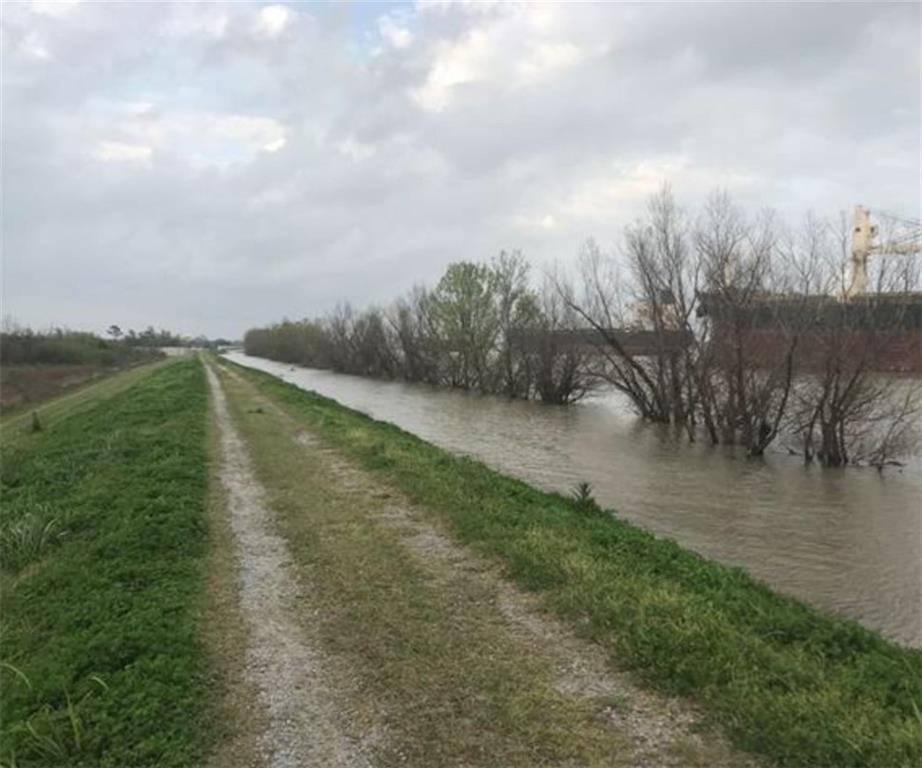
{"x":57,"y":9}
{"x":114,"y":151}
{"x":355,"y":150}
{"x":467,"y":6}
{"x":519,"y":46}
{"x":275,"y":145}
{"x":140,"y":108}
{"x":455,"y":63}
{"x":199,"y":137}
{"x":622,"y":186}
{"x":395,"y":35}
{"x":273,"y":20}
{"x":204,"y":21}
{"x":33,"y":46}
{"x":534,"y":223}
{"x":547,"y":58}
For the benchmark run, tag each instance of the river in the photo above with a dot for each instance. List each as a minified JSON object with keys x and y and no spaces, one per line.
{"x":848,"y":541}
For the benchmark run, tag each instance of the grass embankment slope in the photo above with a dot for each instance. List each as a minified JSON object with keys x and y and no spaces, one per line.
{"x":783,"y":679}
{"x":79,"y":397}
{"x":104,"y":544}
{"x":39,"y":366}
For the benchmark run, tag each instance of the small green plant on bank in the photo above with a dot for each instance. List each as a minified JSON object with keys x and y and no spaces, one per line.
{"x":55,"y":732}
{"x":27,"y":539}
{"x":584,"y":500}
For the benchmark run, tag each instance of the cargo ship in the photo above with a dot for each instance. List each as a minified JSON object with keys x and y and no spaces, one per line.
{"x":879,"y":331}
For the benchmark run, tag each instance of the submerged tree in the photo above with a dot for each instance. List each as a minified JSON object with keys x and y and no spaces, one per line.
{"x":728,"y":326}
{"x":752,"y":322}
{"x":467,"y":324}
{"x":655,"y":300}
{"x":559,"y":353}
{"x":845,"y":409}
{"x":413,"y":327}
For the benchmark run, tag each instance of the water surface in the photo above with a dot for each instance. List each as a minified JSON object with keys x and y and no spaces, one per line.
{"x":849,"y":541}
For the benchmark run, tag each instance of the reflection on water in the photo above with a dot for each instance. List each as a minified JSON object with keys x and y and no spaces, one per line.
{"x":848,"y":540}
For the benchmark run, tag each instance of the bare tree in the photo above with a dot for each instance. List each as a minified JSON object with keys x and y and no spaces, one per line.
{"x":660,"y":289}
{"x":753,"y":321}
{"x":373,"y":347}
{"x":733,"y":328}
{"x":558,"y":352}
{"x":848,"y":409}
{"x":517,"y":313}
{"x":413,"y":324}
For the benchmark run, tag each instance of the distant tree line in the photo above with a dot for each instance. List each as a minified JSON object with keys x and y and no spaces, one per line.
{"x":63,"y":347}
{"x":746,"y":339}
{"x":59,"y":346}
{"x":151,"y":337}
{"x":482,"y":327}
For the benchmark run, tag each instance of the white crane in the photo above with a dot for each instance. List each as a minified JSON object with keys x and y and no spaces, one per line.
{"x":864,"y":245}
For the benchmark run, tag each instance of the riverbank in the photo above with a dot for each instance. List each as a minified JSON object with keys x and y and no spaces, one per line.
{"x":781,"y":678}
{"x":375,"y":639}
{"x":846,"y":542}
{"x":104,"y":544}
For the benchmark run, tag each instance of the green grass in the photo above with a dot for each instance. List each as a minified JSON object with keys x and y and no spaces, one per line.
{"x":103,"y":540}
{"x":783,"y":679}
{"x":17,"y":422}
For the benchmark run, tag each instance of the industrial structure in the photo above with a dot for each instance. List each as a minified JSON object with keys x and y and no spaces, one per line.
{"x":857,"y":325}
{"x":880,"y":330}
{"x":865,"y":244}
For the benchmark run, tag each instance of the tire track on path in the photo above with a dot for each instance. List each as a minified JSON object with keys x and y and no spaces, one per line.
{"x":304,"y":728}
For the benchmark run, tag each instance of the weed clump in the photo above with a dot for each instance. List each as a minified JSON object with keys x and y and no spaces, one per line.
{"x":28,"y":538}
{"x":584,"y":500}
{"x":53,"y":733}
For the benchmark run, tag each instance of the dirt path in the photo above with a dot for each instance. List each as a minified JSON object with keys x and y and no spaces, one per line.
{"x":431,"y":650}
{"x":286,"y":669}
{"x":659,"y":731}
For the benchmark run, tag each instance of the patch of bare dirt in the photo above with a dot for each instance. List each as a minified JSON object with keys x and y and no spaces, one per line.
{"x":23,"y":384}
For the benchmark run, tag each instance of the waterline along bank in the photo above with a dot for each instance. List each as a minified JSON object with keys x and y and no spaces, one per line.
{"x":783,"y":679}
{"x":849,"y":542}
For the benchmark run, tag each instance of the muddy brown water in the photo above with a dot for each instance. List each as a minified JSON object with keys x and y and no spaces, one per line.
{"x":848,"y":541}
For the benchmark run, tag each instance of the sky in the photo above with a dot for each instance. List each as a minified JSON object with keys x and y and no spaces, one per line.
{"x":209,"y":167}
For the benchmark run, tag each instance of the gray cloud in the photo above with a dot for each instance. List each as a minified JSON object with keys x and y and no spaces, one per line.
{"x":209,"y":167}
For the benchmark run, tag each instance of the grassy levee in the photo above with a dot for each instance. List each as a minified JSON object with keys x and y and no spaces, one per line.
{"x":103,"y":544}
{"x":82,"y":396}
{"x":783,"y":679}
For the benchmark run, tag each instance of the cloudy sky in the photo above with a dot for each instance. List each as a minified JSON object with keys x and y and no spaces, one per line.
{"x":208,"y":167}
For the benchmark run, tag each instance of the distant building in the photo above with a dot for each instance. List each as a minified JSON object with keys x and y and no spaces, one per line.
{"x":884,"y":329}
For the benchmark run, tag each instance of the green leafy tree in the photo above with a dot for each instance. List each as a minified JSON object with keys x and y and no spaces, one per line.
{"x":467,"y":322}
